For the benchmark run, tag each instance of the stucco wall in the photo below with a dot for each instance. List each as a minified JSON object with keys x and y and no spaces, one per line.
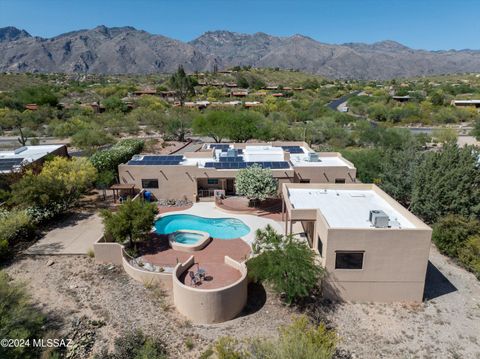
{"x":108,"y":252}
{"x":205,"y":306}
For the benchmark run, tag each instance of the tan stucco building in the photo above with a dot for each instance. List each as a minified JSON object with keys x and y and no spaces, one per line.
{"x":372,"y":248}
{"x":198,"y":174}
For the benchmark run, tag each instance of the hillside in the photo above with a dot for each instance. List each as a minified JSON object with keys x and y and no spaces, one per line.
{"x":127,"y":50}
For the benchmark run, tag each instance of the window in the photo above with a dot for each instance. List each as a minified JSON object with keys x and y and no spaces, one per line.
{"x":320,"y":246}
{"x":149,"y":183}
{"x":212,"y":181}
{"x":349,"y":260}
{"x":304,"y":181}
{"x":339,"y":180}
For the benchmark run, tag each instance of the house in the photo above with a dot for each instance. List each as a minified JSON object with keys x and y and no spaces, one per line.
{"x":239,"y":93}
{"x":231,"y":84}
{"x":194,"y":175}
{"x":12,"y":161}
{"x":249,"y":104}
{"x":466,"y":103}
{"x":31,"y":107}
{"x":145,"y":92}
{"x":401,"y":98}
{"x":372,"y":248}
{"x":278,"y":94}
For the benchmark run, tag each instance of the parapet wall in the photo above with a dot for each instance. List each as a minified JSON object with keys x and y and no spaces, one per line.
{"x":206,"y":306}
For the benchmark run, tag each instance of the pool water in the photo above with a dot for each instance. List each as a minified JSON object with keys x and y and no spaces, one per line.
{"x":187,"y":238}
{"x":221,"y":228}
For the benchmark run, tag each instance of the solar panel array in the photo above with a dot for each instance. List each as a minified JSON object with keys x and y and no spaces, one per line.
{"x":6,"y":164}
{"x":240,"y":165}
{"x":157,"y":161}
{"x":230,"y":159}
{"x":292,"y":149}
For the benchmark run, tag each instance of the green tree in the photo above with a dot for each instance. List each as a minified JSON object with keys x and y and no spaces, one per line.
{"x":446,"y":182}
{"x":178,"y":125}
{"x":56,"y":188}
{"x":256,"y":183}
{"x":90,"y":139}
{"x":213,"y":124}
{"x":437,"y":99}
{"x":114,"y":104}
{"x":284,"y":262}
{"x":131,"y":222}
{"x":244,"y":125}
{"x":182,"y":84}
{"x":469,"y":255}
{"x":15,"y":225}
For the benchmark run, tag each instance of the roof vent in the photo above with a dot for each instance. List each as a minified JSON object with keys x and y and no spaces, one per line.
{"x":313,"y":157}
{"x":378,"y":218}
{"x":20,"y":150}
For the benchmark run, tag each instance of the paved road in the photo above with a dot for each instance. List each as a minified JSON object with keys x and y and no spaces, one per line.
{"x":75,"y":235}
{"x":335,"y":103}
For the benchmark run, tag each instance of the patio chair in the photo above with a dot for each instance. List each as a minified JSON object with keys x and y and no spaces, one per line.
{"x":193,"y":278}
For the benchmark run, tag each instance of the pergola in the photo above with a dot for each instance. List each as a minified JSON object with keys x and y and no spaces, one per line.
{"x":116,"y":188}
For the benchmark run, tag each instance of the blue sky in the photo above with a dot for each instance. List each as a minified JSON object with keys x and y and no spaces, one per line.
{"x":426,"y":24}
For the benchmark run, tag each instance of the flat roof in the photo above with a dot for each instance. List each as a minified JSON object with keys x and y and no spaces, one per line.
{"x":29,"y":154}
{"x":346,"y":208}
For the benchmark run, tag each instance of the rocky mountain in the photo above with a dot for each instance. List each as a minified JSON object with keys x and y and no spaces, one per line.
{"x":127,"y":50}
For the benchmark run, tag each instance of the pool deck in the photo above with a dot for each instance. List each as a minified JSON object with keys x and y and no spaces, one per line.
{"x":211,"y":258}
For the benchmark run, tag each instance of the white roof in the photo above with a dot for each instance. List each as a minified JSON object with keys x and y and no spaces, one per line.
{"x":345,"y":208}
{"x":467,"y":101}
{"x":30,"y":153}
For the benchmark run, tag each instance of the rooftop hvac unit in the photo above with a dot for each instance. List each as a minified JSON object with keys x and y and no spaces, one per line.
{"x":231,"y":152}
{"x":313,"y":157}
{"x":378,"y":218}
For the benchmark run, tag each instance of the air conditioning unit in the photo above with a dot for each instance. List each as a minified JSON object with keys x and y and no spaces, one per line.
{"x":231,"y":152}
{"x":313,"y":157}
{"x":378,"y":218}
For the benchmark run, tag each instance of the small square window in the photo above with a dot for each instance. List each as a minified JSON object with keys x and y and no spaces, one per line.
{"x":349,"y":260}
{"x":212,"y":181}
{"x":339,"y":180}
{"x":149,"y":183}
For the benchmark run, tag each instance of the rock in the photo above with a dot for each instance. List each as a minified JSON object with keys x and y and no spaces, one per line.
{"x":50,"y":262}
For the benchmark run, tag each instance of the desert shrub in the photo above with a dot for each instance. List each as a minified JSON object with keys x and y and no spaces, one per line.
{"x":19,"y":319}
{"x":15,"y":226}
{"x":469,"y":255}
{"x":451,"y":232}
{"x":284,"y":262}
{"x":121,"y":152}
{"x":299,"y":340}
{"x":136,"y":345}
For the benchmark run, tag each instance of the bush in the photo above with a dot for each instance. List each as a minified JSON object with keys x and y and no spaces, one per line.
{"x":256,"y":183}
{"x":136,"y":345}
{"x":300,"y":340}
{"x":15,"y":225}
{"x":469,"y":255}
{"x":452,"y":232}
{"x":19,"y":319}
{"x":122,"y":152}
{"x":285,"y":263}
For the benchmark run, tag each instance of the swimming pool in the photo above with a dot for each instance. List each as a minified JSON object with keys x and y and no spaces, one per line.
{"x":221,"y":228}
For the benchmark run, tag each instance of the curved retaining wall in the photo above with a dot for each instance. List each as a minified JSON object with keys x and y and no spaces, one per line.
{"x":205,"y":306}
{"x":110,"y":252}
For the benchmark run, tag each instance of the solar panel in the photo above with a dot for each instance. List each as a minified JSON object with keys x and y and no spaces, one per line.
{"x":231,"y":159}
{"x":162,"y":158}
{"x":219,"y":146}
{"x":7,"y":164}
{"x":292,"y":149}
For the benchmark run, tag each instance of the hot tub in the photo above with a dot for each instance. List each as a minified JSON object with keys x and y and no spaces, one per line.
{"x":188,"y":240}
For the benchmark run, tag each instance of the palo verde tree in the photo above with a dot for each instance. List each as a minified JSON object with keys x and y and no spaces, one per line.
{"x":182,"y":84}
{"x":285,"y":263}
{"x":131,"y":222}
{"x":256,"y":183}
{"x":213,"y":124}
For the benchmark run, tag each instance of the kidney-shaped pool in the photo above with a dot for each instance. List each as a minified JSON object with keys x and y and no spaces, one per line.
{"x":221,"y":228}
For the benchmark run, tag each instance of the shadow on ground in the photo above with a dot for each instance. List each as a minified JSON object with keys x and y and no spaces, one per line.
{"x":436,"y":284}
{"x":256,"y":299}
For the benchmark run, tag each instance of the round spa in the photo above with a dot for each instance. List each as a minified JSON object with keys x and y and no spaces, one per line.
{"x":188,"y":240}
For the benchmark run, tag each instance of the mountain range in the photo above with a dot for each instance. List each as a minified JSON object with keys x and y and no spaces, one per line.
{"x":126,"y":50}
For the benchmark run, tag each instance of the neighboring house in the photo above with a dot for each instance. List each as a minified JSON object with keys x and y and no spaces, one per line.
{"x":401,"y":98}
{"x":372,"y":248}
{"x":12,"y":161}
{"x":466,"y":103}
{"x":31,"y":107}
{"x":198,"y":174}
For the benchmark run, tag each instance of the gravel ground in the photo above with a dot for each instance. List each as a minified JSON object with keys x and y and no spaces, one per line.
{"x":84,"y":294}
